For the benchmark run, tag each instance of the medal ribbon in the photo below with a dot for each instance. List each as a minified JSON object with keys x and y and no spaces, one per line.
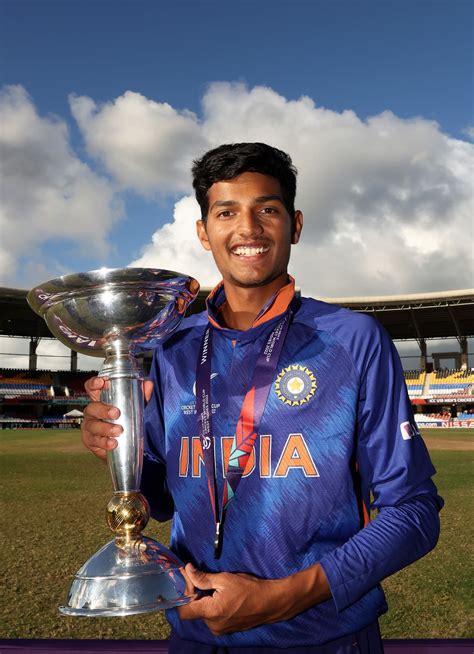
{"x":248,"y":424}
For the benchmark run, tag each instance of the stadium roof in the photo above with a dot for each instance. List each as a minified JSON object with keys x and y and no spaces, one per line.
{"x":419,"y":316}
{"x":406,"y":317}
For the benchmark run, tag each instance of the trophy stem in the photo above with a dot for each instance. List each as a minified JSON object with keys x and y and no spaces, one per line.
{"x":125,"y":391}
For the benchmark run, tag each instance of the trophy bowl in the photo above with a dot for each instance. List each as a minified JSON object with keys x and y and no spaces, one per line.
{"x":115,"y":314}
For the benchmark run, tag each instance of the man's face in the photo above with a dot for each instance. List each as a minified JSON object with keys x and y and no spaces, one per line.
{"x":249,"y":230}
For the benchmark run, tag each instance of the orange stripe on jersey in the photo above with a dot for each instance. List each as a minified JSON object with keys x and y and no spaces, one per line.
{"x":245,"y":424}
{"x":279,"y":305}
{"x":365,"y":514}
{"x":215,"y":290}
{"x":213,"y":322}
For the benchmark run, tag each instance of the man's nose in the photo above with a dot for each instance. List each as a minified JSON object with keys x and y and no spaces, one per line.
{"x":249,"y":223}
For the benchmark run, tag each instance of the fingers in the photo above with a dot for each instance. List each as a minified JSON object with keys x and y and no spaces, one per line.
{"x":202,"y":607}
{"x":200,"y":579}
{"x":101,"y":411}
{"x":198,"y":609}
{"x":98,"y":435}
{"x":94,"y":386}
{"x":190,"y":590}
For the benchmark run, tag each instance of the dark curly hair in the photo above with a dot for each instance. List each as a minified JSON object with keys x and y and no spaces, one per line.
{"x":229,"y":161}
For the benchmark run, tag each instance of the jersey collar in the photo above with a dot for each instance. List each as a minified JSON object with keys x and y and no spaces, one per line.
{"x":275,"y":306}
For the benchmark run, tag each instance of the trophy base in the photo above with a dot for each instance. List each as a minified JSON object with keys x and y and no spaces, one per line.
{"x":139,"y":577}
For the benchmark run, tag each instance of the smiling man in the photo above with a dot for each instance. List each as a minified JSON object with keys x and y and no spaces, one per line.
{"x":249,"y":231}
{"x":270,"y":497}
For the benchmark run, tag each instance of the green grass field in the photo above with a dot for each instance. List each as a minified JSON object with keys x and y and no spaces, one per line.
{"x":54,"y":495}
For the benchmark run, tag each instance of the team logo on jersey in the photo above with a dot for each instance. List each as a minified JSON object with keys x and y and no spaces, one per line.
{"x":295,"y":385}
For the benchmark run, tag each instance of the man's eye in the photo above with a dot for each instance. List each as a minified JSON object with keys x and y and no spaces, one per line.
{"x":224,"y":214}
{"x":269,"y":210}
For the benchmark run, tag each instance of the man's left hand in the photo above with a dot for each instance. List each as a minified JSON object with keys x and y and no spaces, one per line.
{"x":238,"y":601}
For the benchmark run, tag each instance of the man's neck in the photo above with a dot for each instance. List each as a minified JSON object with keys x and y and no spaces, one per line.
{"x":243,"y":305}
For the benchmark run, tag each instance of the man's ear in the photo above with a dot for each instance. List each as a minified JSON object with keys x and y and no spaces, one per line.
{"x":202,"y":234}
{"x":297,"y":227}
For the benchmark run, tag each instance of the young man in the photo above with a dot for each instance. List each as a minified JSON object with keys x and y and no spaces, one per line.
{"x":309,"y":417}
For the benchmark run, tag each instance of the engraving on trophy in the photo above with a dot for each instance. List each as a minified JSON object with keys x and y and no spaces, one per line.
{"x":115,"y":313}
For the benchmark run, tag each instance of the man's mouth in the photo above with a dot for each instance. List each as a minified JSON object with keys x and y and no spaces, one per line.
{"x":249,"y":251}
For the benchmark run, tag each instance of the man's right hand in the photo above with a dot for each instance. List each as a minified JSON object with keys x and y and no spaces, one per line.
{"x":98,"y":435}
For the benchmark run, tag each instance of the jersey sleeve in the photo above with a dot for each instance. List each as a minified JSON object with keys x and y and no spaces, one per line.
{"x":395,"y":470}
{"x":154,"y":483}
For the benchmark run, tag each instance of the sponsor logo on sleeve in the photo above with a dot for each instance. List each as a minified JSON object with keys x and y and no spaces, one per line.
{"x":408,"y":430}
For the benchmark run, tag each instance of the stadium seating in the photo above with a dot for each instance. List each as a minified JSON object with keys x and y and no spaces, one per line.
{"x":59,"y":391}
{"x":465,"y":415}
{"x":439,"y":382}
{"x":9,"y":390}
{"x":415,"y":380}
{"x":451,"y":382}
{"x":57,"y":387}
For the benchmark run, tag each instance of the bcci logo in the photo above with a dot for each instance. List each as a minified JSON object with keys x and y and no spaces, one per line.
{"x":295,"y":385}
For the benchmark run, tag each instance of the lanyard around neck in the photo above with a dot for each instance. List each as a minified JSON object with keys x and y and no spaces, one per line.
{"x":248,"y":424}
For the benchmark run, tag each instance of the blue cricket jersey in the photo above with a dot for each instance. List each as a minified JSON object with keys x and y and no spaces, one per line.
{"x":337,"y":436}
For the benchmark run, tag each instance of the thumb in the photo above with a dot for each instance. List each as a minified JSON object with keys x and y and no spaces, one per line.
{"x":147,"y":389}
{"x":94,"y":386}
{"x":200,"y":579}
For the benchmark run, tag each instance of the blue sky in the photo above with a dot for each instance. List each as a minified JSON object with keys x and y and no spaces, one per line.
{"x":414,"y":57}
{"x":106,"y":102}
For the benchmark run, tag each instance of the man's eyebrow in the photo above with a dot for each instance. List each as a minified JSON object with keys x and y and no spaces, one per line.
{"x":267,"y":198}
{"x":259,"y":200}
{"x":223,"y":203}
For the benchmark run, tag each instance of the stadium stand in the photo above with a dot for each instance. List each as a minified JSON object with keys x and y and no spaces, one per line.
{"x":35,"y":399}
{"x":452,"y":382}
{"x":415,"y":380}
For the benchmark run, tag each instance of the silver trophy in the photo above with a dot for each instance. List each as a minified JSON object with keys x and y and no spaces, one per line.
{"x":115,"y":314}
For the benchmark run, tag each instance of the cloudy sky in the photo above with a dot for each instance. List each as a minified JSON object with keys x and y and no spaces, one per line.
{"x":103,"y":106}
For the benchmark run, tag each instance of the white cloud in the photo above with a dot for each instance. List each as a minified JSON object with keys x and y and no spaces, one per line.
{"x":387,"y":202}
{"x":47,"y":192}
{"x":176,"y":247}
{"x":146,"y":145}
{"x":469,"y":131}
